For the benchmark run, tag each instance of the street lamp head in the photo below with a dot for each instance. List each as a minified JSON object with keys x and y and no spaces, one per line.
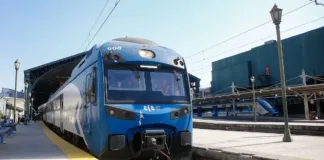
{"x":32,"y":99}
{"x":252,"y":79}
{"x":26,"y":85}
{"x":29,"y":94}
{"x":276,"y":14}
{"x":17,"y":64}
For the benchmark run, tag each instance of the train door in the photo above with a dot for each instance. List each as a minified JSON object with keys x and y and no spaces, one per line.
{"x":90,"y":101}
{"x":61,"y":113}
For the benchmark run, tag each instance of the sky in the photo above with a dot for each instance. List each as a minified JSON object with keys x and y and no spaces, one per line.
{"x":37,"y":32}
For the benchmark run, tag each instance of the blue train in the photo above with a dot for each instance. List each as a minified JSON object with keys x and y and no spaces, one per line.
{"x":242,"y":108}
{"x":128,"y":98}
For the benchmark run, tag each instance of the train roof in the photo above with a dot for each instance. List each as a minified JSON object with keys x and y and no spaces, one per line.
{"x":136,"y":40}
{"x":128,"y":48}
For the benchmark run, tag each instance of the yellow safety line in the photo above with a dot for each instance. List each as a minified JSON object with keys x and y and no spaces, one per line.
{"x":72,"y":152}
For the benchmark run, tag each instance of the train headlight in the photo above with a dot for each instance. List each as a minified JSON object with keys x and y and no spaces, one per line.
{"x":146,"y":54}
{"x":181,"y":63}
{"x":120,"y":113}
{"x":181,"y":112}
{"x":127,"y":114}
{"x":186,"y":111}
{"x":111,"y":112}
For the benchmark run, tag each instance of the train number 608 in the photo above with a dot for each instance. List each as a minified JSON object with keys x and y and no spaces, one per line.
{"x":114,"y":48}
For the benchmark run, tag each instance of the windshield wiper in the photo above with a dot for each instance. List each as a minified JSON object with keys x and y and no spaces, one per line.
{"x":177,"y":77}
{"x":137,"y":75}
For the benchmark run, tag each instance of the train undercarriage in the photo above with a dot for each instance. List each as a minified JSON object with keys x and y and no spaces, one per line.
{"x":150,"y":144}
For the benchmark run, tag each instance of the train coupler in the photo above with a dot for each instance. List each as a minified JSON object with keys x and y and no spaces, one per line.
{"x":153,"y":139}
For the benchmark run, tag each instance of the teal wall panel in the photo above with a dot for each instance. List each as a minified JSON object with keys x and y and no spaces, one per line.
{"x":304,"y":51}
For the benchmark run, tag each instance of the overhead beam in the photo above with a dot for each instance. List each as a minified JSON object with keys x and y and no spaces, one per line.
{"x":262,"y":93}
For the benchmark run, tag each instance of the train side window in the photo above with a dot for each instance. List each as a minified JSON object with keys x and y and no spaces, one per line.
{"x":61,"y":101}
{"x":87,"y":98}
{"x":91,"y":87}
{"x":54,"y":105}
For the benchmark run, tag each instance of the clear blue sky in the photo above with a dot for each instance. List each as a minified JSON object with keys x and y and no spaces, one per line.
{"x":38,"y":31}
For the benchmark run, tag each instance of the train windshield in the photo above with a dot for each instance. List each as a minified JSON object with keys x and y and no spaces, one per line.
{"x":136,"y":85}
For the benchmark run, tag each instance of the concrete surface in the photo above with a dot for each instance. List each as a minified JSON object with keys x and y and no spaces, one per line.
{"x":71,"y":151}
{"x":261,"y":145}
{"x":260,"y":119}
{"x":267,"y":127}
{"x":248,"y":122}
{"x":29,"y":142}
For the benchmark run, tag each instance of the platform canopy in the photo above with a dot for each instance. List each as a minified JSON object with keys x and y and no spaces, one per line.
{"x":45,"y":79}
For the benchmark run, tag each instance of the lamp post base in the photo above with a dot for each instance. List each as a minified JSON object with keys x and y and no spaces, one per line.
{"x":287,"y":136}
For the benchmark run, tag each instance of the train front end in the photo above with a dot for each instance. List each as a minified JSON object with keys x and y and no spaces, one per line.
{"x":147,"y":107}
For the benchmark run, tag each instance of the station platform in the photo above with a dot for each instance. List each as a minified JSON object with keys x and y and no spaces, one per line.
{"x":35,"y":141}
{"x":261,"y":119}
{"x":314,"y":129}
{"x":217,"y":144}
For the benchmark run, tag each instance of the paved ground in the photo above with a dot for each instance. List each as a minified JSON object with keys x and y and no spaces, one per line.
{"x":248,"y":122}
{"x":262,"y":144}
{"x":261,"y":119}
{"x":29,"y":142}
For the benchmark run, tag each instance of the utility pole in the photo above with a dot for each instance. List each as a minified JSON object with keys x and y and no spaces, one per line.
{"x":254,"y":105}
{"x":17,"y":64}
{"x":276,"y":14}
{"x":233,"y":100}
{"x":306,"y":108}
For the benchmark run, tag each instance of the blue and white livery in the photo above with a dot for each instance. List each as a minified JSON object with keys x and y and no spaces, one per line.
{"x":128,"y":98}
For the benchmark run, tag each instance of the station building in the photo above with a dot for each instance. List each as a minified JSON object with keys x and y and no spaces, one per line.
{"x":301,"y":52}
{"x":7,"y":97}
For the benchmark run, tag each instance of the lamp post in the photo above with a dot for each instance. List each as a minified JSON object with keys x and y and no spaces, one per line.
{"x":254,"y":106}
{"x":31,"y":108}
{"x":26,"y":86}
{"x":17,"y":64}
{"x":276,"y":18}
{"x":29,"y":94}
